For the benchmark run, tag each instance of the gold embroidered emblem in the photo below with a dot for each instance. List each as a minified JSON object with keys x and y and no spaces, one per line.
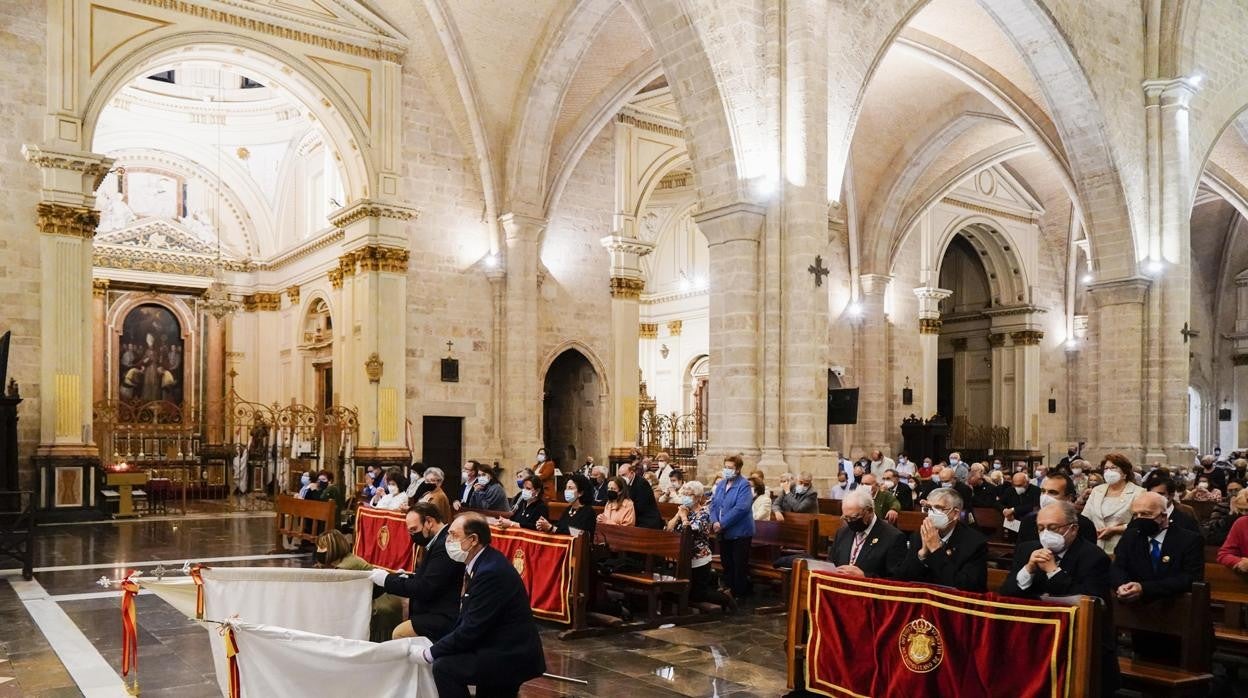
{"x":383,"y":537}
{"x":921,"y":647}
{"x":517,"y":560}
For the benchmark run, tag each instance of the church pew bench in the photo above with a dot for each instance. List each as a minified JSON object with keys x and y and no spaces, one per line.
{"x":773,"y":539}
{"x":909,"y":521}
{"x":996,"y":578}
{"x":1229,"y":589}
{"x":1193,"y":636}
{"x":658,"y":550}
{"x":667,"y":510}
{"x":302,"y":519}
{"x":826,"y":526}
{"x":830,"y":506}
{"x":1203,"y":510}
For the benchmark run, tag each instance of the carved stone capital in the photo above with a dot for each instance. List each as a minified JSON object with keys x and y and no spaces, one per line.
{"x":89,"y":164}
{"x":929,"y":325}
{"x":996,"y":340}
{"x":648,"y":330}
{"x":262,"y":300}
{"x":674,"y":327}
{"x":71,"y":221}
{"x":1027,"y":338}
{"x":99,"y":287}
{"x":335,"y":278}
{"x":292,"y":293}
{"x":626,"y":289}
{"x":374,"y":258}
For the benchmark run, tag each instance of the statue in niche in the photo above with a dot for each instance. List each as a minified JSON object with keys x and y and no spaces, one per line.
{"x":115,"y":213}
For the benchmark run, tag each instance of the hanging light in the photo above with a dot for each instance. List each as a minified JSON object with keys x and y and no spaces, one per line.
{"x":217,"y":299}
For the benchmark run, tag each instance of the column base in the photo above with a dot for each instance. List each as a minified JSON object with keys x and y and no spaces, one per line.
{"x":68,"y":481}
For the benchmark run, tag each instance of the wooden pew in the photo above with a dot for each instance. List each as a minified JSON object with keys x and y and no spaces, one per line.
{"x":1084,"y":670}
{"x":303,"y":519}
{"x":773,"y":539}
{"x":826,"y":526}
{"x":996,"y":578}
{"x":909,"y":521}
{"x":655,"y":547}
{"x":830,"y":506}
{"x":1188,"y":619}
{"x":1203,"y":510}
{"x":1230,"y":589}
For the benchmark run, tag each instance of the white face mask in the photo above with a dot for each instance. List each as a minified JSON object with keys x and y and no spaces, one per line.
{"x":1047,"y":499}
{"x":1113,"y":477}
{"x":1020,"y":490}
{"x":1053,"y":541}
{"x":541,"y":458}
{"x":483,"y":479}
{"x":802,"y":489}
{"x":392,"y":488}
{"x":889,"y":484}
{"x":1077,"y":471}
{"x":939,"y":519}
{"x":954,"y":462}
{"x":455,"y":551}
{"x":526,"y":495}
{"x":729,"y":473}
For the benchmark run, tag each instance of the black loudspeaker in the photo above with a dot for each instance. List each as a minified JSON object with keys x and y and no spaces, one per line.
{"x":1052,"y":406}
{"x":843,"y":406}
{"x":1224,"y":415}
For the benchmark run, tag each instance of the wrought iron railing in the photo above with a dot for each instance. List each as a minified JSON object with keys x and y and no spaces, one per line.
{"x":683,"y":437}
{"x":974,"y":437}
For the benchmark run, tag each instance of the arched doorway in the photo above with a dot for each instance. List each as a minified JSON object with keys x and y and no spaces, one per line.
{"x":317,"y":346}
{"x":964,"y":372}
{"x":572,"y":414}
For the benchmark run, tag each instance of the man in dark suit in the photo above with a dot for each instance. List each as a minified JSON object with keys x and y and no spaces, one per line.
{"x":433,"y":589}
{"x":1056,"y":487}
{"x":945,"y":551}
{"x":1160,"y":482}
{"x":467,"y":476}
{"x":866,"y":545}
{"x":642,"y":494}
{"x":1061,"y":563}
{"x":1020,"y":499}
{"x":900,"y":489}
{"x":494,"y":644}
{"x":598,"y":486}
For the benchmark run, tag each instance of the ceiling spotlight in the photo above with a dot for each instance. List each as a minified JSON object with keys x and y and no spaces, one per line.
{"x":1072,"y":344}
{"x":854,"y":309}
{"x":491,"y":261}
{"x":1087,"y":278}
{"x":1155,"y":266}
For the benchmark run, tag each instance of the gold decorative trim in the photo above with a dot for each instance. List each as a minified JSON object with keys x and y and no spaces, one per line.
{"x":996,"y":340}
{"x":626,"y":288}
{"x":70,"y":221}
{"x":274,"y":29}
{"x":335,"y":278}
{"x":374,"y":258}
{"x":262,"y":300}
{"x":292,"y":292}
{"x":674,"y":327}
{"x":162,"y":262}
{"x":929,"y":325}
{"x":99,"y":287}
{"x":365,"y":208}
{"x":373,"y":367}
{"x":648,"y":330}
{"x":1027,"y":338}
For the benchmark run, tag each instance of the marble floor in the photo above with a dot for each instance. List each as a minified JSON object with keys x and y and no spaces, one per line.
{"x":60,"y":635}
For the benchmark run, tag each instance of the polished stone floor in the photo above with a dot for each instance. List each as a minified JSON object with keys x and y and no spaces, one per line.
{"x":741,"y":656}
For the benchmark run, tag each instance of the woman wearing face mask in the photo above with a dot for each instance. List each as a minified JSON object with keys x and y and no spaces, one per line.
{"x":619,"y":509}
{"x":579,"y":517}
{"x":1216,"y":529}
{"x":430,"y":490}
{"x":544,"y":469}
{"x":521,"y":476}
{"x":395,"y":497}
{"x":760,"y":508}
{"x":1202,"y":492}
{"x":305,"y":486}
{"x":1108,"y":506}
{"x":487,"y":492}
{"x":333,"y":551}
{"x":733,"y":521}
{"x":531,"y":508}
{"x":1078,"y":475}
{"x":695,"y":515}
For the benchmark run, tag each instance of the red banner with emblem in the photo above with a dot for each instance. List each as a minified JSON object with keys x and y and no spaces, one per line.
{"x":545,"y":563}
{"x":871,"y":637}
{"x":382,"y":540}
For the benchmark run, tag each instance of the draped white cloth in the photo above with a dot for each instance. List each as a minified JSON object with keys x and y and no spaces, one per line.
{"x":335,"y":605}
{"x":281,"y":663}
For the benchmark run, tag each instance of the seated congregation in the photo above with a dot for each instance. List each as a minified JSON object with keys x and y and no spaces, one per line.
{"x":1136,"y":539}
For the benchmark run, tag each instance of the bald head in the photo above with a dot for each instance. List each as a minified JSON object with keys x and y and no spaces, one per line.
{"x":946,"y":475}
{"x":1019,"y":480}
{"x":1150,"y":505}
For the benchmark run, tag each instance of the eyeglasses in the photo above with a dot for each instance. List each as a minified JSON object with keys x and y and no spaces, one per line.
{"x":937,"y":507}
{"x":1054,"y":528}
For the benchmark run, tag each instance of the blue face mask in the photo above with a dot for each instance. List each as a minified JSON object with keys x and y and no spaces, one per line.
{"x":729,"y":473}
{"x":305,"y":479}
{"x":947,"y":484}
{"x":686,"y":501}
{"x":526,"y":495}
{"x":569,"y":496}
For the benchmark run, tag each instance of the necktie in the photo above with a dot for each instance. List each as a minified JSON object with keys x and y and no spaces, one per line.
{"x":859,"y":539}
{"x":463,"y":590}
{"x":1155,"y":553}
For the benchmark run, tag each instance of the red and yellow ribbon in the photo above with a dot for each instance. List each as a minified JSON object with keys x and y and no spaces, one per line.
{"x":129,"y":626}
{"x":199,"y":590}
{"x":231,"y":655}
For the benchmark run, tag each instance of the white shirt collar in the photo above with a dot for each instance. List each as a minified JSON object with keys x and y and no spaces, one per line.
{"x":1161,"y":537}
{"x":473,"y":562}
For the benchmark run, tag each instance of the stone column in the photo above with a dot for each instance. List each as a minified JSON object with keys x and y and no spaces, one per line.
{"x":498,"y":287}
{"x":627,"y":284}
{"x":1116,"y":338}
{"x":996,"y":340}
{"x":960,"y":372}
{"x":1027,"y":387}
{"x":733,"y":233}
{"x":1240,"y":367}
{"x":522,"y":380}
{"x":929,"y":346}
{"x":99,"y":358}
{"x":1168,"y":367}
{"x":873,"y":398}
{"x":374,"y":268}
{"x":214,"y":378}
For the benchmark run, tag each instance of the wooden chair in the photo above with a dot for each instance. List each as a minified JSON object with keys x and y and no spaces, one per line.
{"x":773,"y":539}
{"x":303,"y":519}
{"x":655,"y":548}
{"x":1187,"y":618}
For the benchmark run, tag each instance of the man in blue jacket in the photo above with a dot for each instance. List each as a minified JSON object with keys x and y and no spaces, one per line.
{"x":494,"y":644}
{"x":732,"y":517}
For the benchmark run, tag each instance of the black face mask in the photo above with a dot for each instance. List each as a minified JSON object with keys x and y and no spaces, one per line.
{"x":418,"y":538}
{"x":424,"y":488}
{"x":319,"y":557}
{"x":612,"y":495}
{"x":857,"y":525}
{"x":1145,"y":527}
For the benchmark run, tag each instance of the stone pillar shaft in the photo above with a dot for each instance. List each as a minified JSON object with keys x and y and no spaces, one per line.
{"x":522,"y":412}
{"x":1115,"y":351}
{"x":873,"y":400}
{"x":627,"y":284}
{"x":929,"y":346}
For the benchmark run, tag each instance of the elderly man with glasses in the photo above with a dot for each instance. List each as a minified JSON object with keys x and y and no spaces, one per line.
{"x":946,"y":551}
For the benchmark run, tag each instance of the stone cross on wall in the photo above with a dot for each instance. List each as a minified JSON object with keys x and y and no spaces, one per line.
{"x":1188,"y":333}
{"x":818,"y":270}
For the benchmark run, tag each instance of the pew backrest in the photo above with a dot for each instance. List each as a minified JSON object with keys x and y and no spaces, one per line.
{"x":653,"y":544}
{"x":797,"y":535}
{"x":1187,"y":617}
{"x":909,"y":521}
{"x":830,"y":506}
{"x":306,"y":519}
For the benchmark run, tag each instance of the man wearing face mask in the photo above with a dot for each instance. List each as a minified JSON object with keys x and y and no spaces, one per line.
{"x":642,"y":494}
{"x":598,"y":486}
{"x":894,"y":482}
{"x":866,"y":546}
{"x":960,"y":469}
{"x":1020,"y":499}
{"x":1155,"y":560}
{"x":494,"y":643}
{"x":433,"y":589}
{"x":467,"y":477}
{"x":945,"y":551}
{"x":1056,"y":487}
{"x":801,"y":497}
{"x":1061,"y":563}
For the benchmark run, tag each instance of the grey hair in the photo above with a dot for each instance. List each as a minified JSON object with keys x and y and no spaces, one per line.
{"x":860,"y":496}
{"x":1069,"y":512}
{"x":599,"y":470}
{"x":806,"y":475}
{"x":948,"y":496}
{"x":697,"y":489}
{"x":437,"y":472}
